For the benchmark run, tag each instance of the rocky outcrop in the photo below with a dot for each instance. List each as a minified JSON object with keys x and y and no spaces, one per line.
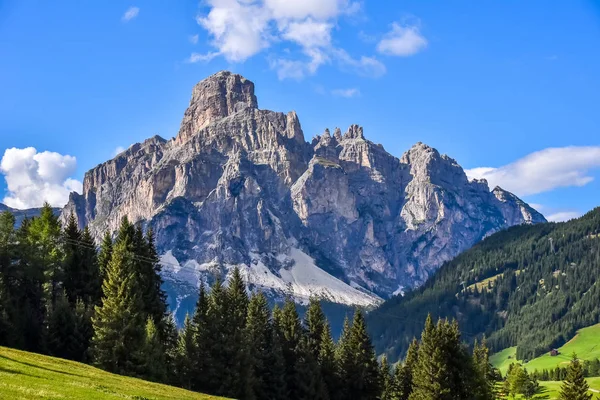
{"x":339,"y":218}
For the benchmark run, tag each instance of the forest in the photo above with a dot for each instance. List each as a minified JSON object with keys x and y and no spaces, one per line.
{"x":62,"y":295}
{"x":530,"y":286}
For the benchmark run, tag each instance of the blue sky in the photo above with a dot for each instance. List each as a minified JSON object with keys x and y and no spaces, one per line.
{"x":510,"y":89}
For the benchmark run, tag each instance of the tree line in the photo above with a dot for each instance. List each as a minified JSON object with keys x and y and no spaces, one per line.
{"x":590,"y":368}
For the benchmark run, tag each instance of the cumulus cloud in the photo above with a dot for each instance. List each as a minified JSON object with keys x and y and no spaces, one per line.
{"x":351,"y":92}
{"x":543,"y":170}
{"x":240,"y":29}
{"x":193,"y":39}
{"x":130,"y":14}
{"x":33,"y":178}
{"x":402,"y":41}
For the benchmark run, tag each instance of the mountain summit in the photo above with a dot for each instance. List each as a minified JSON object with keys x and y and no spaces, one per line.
{"x":338,"y":217}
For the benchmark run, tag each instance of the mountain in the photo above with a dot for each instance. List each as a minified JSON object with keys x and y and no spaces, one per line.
{"x":338,"y":217}
{"x":531,"y":287}
{"x":20,"y":215}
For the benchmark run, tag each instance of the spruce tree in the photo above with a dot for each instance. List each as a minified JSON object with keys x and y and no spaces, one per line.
{"x":314,"y":322}
{"x":119,"y":328}
{"x":153,"y":365}
{"x":328,"y":363}
{"x":105,"y":255}
{"x":214,"y":342}
{"x":430,"y":374}
{"x":8,"y":283}
{"x":404,"y":373}
{"x":484,"y":379}
{"x":387,"y":380}
{"x":185,"y":356}
{"x":258,"y":338}
{"x":308,"y":382}
{"x":198,"y":350}
{"x":154,"y":298}
{"x":91,"y":287}
{"x":289,"y":331}
{"x":62,"y":339}
{"x":73,"y":265}
{"x":575,"y":386}
{"x":359,"y":370}
{"x":236,"y":382}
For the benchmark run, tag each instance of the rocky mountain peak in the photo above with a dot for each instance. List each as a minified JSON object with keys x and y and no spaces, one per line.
{"x":339,"y":217}
{"x":214,"y":98}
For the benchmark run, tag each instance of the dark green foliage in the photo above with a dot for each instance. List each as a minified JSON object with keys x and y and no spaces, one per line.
{"x":105,"y":254}
{"x":153,"y":363}
{"x":387,"y":381}
{"x":359,"y":370}
{"x":119,"y":324}
{"x":404,"y":372}
{"x":314,"y":322}
{"x":184,"y":371}
{"x":328,"y":363}
{"x":537,"y":297}
{"x":575,"y":387}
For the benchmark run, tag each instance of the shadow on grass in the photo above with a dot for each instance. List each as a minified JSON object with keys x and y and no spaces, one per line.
{"x":15,"y":372}
{"x":40,"y":367}
{"x":542,"y":394}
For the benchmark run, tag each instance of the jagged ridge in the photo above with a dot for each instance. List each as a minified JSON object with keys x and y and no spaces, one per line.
{"x":241,"y":186}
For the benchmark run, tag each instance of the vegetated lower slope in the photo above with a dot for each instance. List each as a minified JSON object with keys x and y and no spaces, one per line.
{"x":544,"y":289}
{"x":26,"y":375}
{"x":551,"y":389}
{"x":586,"y":344}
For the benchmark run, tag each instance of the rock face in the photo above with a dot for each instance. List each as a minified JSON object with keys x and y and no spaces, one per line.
{"x":340,"y":217}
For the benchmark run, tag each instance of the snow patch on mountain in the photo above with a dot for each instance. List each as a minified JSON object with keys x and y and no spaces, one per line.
{"x":299,"y":277}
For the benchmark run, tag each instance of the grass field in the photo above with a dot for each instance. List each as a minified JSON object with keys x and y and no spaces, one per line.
{"x":33,"y":376}
{"x":551,"y":389}
{"x":586,"y":344}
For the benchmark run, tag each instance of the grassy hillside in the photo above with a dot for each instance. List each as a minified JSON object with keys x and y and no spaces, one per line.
{"x":33,"y":376}
{"x":586,"y":344}
{"x":550,"y":390}
{"x":529,"y":287}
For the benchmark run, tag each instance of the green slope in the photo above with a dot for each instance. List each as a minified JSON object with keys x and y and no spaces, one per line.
{"x":586,"y":344}
{"x":26,"y":375}
{"x":529,"y":286}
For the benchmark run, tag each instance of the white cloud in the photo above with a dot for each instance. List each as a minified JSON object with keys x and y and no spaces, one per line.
{"x":119,"y":150}
{"x":352,"y":92}
{"x":240,"y":29}
{"x":365,"y":66}
{"x":33,"y":178}
{"x":193,"y":39}
{"x":543,"y":170}
{"x":563,"y":216}
{"x":130,"y":14}
{"x":402,"y":41}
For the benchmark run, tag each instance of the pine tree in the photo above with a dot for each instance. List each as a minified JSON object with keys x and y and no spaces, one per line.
{"x":430,"y":374}
{"x":198,"y":350}
{"x":484,"y":380}
{"x":314,"y":322}
{"x":62,"y":340}
{"x":289,"y":331}
{"x":7,"y":278}
{"x":328,"y":363}
{"x":388,"y":387}
{"x":235,"y":383}
{"x":91,"y":287}
{"x":170,"y":345}
{"x":404,"y":373}
{"x":575,"y":386}
{"x":153,"y":365}
{"x":104,"y":256}
{"x":73,"y":265}
{"x":185,"y":356}
{"x":118,"y":324}
{"x":154,"y":298}
{"x":359,"y":370}
{"x":258,"y":338}
{"x":308,"y":382}
{"x":44,"y":235}
{"x":214,"y":342}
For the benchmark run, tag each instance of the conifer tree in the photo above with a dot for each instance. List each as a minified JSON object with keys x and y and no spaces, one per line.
{"x":185,"y":356}
{"x":119,"y":329}
{"x":387,"y":380}
{"x":314,"y":321}
{"x":328,"y":363}
{"x":430,"y":375}
{"x":73,"y":265}
{"x":92,"y":280}
{"x":153,"y":365}
{"x":359,"y":370}
{"x":258,"y":338}
{"x":289,"y":331}
{"x":484,"y":380}
{"x":308,"y":382}
{"x":154,"y":298}
{"x":236,"y":383}
{"x":62,"y":336}
{"x":44,"y":235}
{"x":198,"y":349}
{"x":7,"y":277}
{"x":575,"y":386}
{"x":404,"y":373}
{"x":105,"y":255}
{"x":214,"y":341}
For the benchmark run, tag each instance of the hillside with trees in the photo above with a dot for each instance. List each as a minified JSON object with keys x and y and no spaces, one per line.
{"x":531,"y":286}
